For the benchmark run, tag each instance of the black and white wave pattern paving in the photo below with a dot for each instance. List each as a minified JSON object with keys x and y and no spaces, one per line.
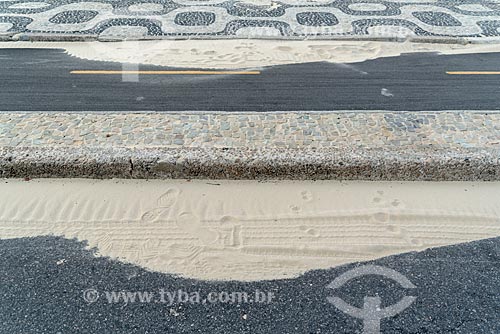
{"x":253,"y":18}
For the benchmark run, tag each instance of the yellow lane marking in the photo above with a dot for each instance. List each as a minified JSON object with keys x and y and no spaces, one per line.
{"x":168,"y":72}
{"x":474,"y":73}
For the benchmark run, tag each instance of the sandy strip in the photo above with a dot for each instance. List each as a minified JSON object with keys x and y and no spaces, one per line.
{"x":248,"y":230}
{"x":246,"y":53}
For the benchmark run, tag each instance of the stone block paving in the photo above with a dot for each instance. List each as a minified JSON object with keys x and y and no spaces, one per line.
{"x":388,"y":19}
{"x":391,"y":131}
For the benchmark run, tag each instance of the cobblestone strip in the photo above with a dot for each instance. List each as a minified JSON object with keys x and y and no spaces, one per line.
{"x":252,"y":130}
{"x":383,"y":145}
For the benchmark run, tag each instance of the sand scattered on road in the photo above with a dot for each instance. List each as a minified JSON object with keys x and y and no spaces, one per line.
{"x":247,"y":230}
{"x":246,"y":53}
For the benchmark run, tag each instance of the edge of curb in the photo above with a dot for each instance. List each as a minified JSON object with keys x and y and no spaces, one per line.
{"x":255,"y":164}
{"x":55,"y":37}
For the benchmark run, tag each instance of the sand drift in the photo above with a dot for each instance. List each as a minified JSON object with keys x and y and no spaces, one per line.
{"x":246,"y":230}
{"x":247,"y":53}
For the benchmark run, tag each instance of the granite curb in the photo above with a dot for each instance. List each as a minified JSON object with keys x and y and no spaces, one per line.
{"x":53,"y":37}
{"x":409,"y":146}
{"x":258,"y":164}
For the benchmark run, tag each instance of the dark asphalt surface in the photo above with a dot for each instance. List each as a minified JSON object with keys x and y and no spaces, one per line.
{"x":457,"y":291}
{"x":39,"y":80}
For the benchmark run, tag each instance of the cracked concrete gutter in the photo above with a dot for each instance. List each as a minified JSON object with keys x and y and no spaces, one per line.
{"x":406,"y":146}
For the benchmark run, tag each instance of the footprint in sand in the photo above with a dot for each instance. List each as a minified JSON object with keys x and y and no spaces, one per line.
{"x":153,"y":214}
{"x":310,"y":231}
{"x":164,"y":202}
{"x":395,"y":203}
{"x":306,"y":195}
{"x":168,"y":199}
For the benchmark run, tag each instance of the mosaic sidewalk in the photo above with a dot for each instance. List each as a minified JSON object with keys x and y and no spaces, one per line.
{"x":389,"y":19}
{"x":337,"y":145}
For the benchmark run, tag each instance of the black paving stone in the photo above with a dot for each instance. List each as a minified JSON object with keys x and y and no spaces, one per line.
{"x":437,"y":19}
{"x":195,"y":19}
{"x":73,"y":16}
{"x":317,"y":19}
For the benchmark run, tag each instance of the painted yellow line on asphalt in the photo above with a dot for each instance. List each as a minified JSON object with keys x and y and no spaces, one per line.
{"x":474,"y":73}
{"x":167,"y":72}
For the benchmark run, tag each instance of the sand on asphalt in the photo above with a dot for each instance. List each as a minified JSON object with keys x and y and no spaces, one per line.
{"x":249,"y":230}
{"x":247,"y":53}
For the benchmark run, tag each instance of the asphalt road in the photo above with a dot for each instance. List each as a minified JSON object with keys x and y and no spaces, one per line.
{"x":40,"y":80}
{"x":43,"y":280}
